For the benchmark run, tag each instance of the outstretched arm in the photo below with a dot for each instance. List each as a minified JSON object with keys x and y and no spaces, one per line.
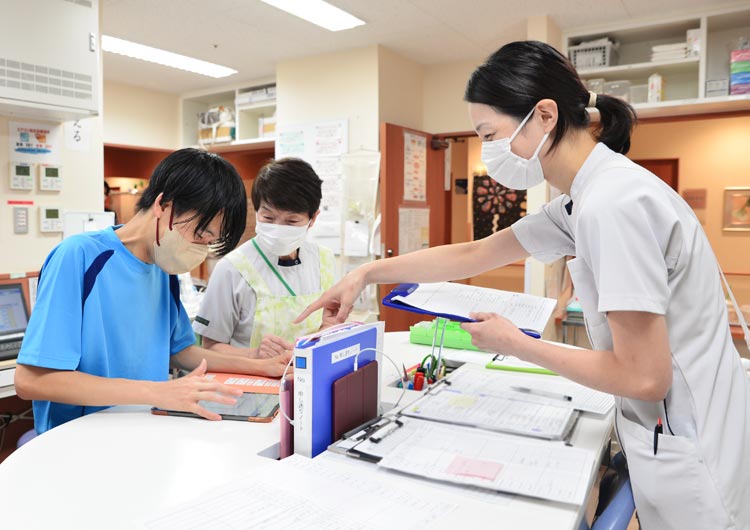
{"x":437,"y":264}
{"x":78,"y":388}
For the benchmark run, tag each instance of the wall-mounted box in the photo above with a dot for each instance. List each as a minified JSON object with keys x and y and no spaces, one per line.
{"x":49,"y":58}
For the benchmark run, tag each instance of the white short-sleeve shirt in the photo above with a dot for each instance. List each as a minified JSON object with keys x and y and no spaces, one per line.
{"x":639,"y":247}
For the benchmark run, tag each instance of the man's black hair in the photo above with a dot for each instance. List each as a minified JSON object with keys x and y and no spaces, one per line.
{"x":288,"y":184}
{"x":203,"y":183}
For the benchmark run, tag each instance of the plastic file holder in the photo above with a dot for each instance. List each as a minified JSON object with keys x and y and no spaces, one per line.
{"x":455,"y":337}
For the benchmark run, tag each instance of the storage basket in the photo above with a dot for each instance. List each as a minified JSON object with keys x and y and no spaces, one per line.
{"x":593,"y":55}
{"x":216,"y":125}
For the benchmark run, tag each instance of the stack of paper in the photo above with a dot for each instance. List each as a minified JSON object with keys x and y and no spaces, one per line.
{"x":669,"y":52}
{"x":473,"y":380}
{"x":472,"y":457}
{"x":508,"y":414}
{"x":299,"y":494}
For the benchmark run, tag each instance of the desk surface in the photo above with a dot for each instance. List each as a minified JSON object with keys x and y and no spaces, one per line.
{"x":112,"y":468}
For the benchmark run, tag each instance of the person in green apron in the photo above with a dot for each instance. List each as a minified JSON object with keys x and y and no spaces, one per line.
{"x":257,"y":290}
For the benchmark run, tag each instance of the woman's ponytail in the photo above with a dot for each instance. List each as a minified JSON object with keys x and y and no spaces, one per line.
{"x":617,"y":119}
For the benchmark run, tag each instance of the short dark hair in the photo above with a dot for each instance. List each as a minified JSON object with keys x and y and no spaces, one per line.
{"x":204,"y":183}
{"x":289,"y":184}
{"x":520,"y":74}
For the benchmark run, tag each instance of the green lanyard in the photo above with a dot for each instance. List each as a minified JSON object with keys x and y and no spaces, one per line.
{"x":276,"y":272}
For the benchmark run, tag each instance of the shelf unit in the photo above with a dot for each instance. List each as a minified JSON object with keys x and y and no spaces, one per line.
{"x":684,"y":79}
{"x":246,"y":115}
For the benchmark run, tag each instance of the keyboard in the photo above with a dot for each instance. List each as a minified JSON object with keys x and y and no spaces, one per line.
{"x":10,"y":349}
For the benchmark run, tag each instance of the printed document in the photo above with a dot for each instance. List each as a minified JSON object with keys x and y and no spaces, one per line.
{"x":524,"y":310}
{"x":495,"y":461}
{"x":300,"y":493}
{"x":472,"y":380}
{"x":495,"y":413}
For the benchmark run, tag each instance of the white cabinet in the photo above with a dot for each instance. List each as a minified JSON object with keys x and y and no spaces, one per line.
{"x":254,"y":118}
{"x":49,"y":64}
{"x":684,"y":78}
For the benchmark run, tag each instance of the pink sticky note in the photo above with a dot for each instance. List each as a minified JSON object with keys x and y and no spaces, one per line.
{"x":470,"y":467}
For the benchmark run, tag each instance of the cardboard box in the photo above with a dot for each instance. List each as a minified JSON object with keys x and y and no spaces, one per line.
{"x":267,"y":127}
{"x":224,"y":133}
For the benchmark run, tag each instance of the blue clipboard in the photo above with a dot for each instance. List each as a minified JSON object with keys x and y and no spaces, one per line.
{"x":405,"y":289}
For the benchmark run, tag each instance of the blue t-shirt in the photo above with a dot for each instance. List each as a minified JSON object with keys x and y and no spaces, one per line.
{"x":102,"y":311}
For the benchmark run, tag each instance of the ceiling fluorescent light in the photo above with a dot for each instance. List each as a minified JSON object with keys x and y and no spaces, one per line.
{"x":165,"y":58}
{"x":318,"y":12}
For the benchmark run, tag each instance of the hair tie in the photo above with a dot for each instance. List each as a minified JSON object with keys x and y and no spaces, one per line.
{"x":592,"y":100}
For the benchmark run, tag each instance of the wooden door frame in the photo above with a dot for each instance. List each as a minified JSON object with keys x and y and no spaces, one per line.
{"x":391,"y":193}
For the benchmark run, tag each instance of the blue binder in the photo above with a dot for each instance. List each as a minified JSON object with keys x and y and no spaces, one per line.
{"x":319,"y":360}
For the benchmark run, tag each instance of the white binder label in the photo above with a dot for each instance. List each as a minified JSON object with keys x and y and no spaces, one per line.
{"x":341,"y":355}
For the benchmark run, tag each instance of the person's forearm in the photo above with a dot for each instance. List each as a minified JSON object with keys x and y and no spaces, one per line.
{"x":601,"y":370}
{"x":191,"y":357}
{"x":78,"y":388}
{"x":447,"y":262}
{"x":231,"y":350}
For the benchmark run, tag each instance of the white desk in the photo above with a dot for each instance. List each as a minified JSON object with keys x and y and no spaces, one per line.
{"x":108,"y":469}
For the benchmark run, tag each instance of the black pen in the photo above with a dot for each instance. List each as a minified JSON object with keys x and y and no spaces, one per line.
{"x":657,"y":431}
{"x":543,"y":393}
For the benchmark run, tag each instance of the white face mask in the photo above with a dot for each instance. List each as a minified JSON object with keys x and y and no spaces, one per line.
{"x":281,"y":240}
{"x":509,"y":169}
{"x":174,"y":254}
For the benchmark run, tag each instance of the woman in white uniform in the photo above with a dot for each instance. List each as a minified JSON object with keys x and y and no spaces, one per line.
{"x":644,"y":271}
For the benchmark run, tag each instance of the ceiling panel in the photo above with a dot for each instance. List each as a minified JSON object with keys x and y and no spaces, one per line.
{"x":252,"y":37}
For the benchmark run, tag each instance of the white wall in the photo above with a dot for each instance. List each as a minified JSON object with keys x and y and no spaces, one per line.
{"x":82,"y":190}
{"x":140,"y":117}
{"x":444,"y":108}
{"x":341,"y":85}
{"x":400,"y":89}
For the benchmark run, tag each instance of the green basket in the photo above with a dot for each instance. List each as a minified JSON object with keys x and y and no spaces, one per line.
{"x":455,"y":337}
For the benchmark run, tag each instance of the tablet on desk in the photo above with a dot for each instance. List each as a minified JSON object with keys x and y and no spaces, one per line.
{"x":260,"y":408}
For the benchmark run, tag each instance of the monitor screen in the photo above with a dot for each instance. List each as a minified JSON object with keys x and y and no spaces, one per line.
{"x":51,"y":172}
{"x":23,"y":171}
{"x":13,"y":314}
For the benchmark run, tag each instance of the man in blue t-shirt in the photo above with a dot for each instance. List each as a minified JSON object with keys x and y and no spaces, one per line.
{"x":108,"y":322}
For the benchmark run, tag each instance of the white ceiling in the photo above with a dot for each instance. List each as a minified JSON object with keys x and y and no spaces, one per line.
{"x":252,"y":37}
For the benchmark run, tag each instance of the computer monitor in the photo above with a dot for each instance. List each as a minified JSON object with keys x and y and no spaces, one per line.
{"x":77,"y":222}
{"x":14,"y":315}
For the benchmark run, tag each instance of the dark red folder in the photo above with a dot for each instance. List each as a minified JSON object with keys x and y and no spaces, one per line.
{"x":355,"y":399}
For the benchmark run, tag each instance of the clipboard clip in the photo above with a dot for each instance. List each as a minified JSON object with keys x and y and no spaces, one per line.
{"x":385,"y":431}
